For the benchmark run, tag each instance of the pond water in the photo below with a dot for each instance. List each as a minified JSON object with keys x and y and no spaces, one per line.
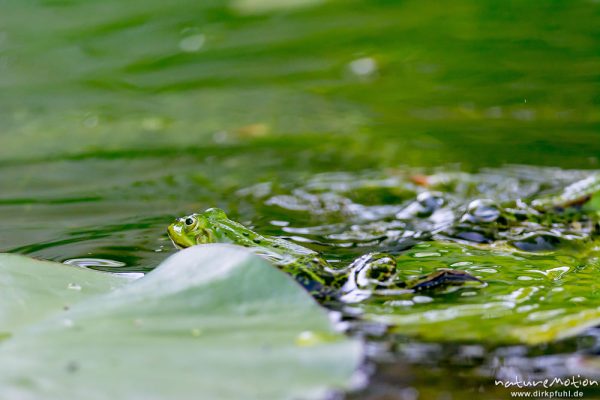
{"x":118,"y":117}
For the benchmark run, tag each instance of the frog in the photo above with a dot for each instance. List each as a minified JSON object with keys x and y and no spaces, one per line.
{"x":373,"y":274}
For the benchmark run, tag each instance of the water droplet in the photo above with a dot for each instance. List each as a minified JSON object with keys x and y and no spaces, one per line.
{"x":74,"y":286}
{"x":192,"y":43}
{"x":363,"y":66}
{"x":68,"y":323}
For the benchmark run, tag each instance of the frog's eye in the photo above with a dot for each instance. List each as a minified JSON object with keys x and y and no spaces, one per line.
{"x":189,"y":221}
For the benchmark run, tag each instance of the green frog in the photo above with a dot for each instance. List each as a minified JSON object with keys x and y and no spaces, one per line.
{"x":370,"y":275}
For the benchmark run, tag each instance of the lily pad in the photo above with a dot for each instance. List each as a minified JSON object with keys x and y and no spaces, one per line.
{"x":31,"y":289}
{"x":210,"y":322}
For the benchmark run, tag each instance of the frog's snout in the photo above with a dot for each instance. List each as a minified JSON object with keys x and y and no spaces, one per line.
{"x":173,"y":230}
{"x":177,"y":235}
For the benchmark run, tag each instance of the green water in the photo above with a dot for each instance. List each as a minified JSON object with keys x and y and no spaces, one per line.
{"x":118,"y":117}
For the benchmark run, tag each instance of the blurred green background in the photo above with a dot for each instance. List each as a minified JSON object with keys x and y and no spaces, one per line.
{"x":475,"y":82}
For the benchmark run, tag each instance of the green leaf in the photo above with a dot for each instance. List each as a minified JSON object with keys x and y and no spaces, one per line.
{"x":210,"y":322}
{"x":31,"y":289}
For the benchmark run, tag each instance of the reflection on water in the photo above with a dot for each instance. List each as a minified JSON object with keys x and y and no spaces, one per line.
{"x":94,"y":262}
{"x":100,"y":264}
{"x":456,"y":371}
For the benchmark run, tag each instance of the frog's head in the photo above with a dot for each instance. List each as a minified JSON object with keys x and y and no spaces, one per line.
{"x":211,"y":226}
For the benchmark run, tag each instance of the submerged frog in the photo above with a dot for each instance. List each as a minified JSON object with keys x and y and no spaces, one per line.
{"x":372,"y":274}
